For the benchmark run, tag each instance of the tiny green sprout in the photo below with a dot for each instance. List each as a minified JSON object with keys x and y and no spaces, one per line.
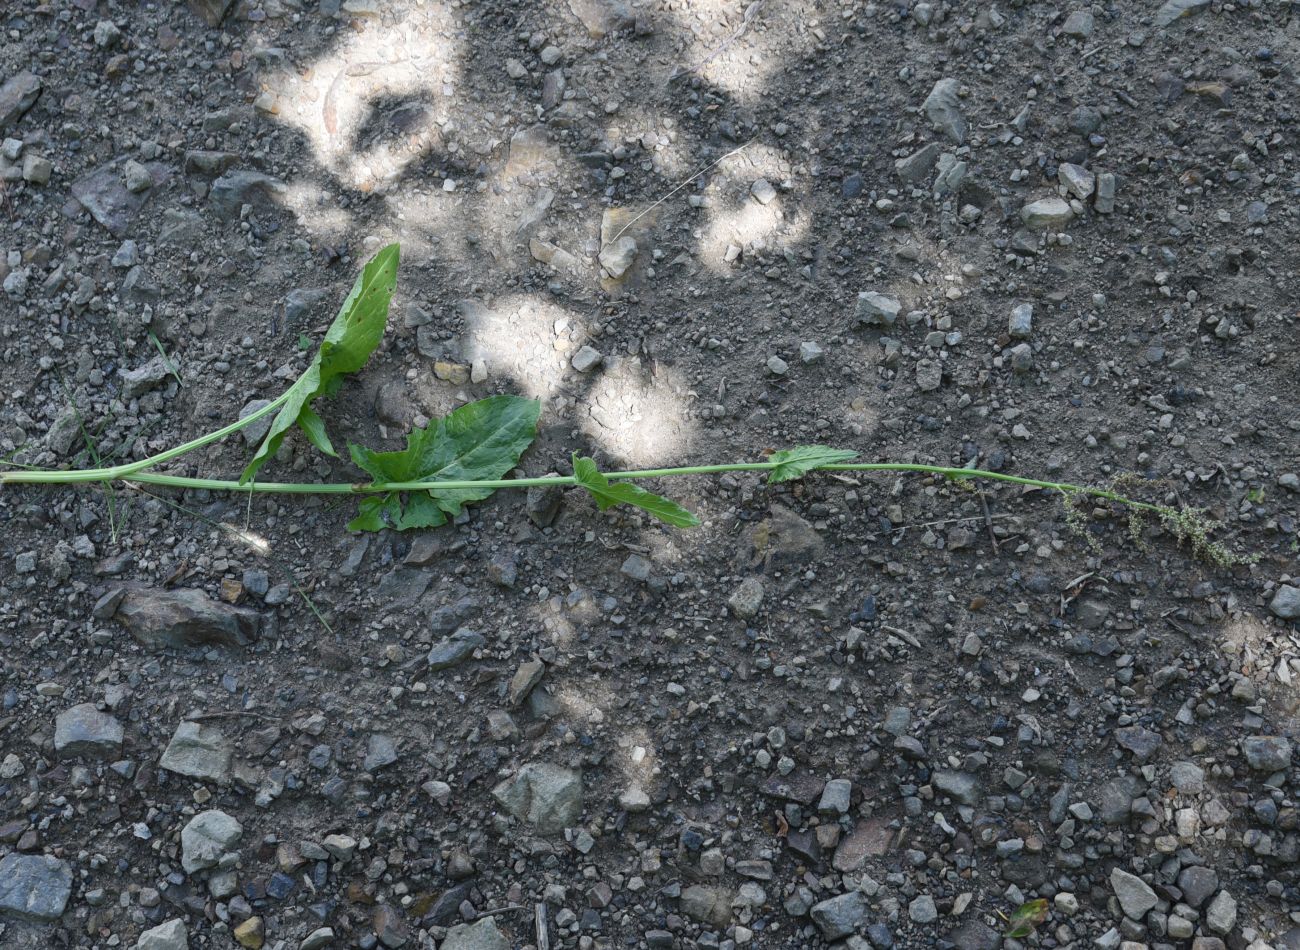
{"x":1025,"y":919}
{"x":304,"y":342}
{"x":469,"y":454}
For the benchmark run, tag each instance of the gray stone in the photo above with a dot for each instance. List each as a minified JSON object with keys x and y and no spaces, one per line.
{"x":136,"y":382}
{"x":929,"y":375}
{"x":255,"y":432}
{"x":784,"y":538}
{"x":212,"y":11}
{"x":17,"y":95}
{"x":481,"y":935}
{"x":617,"y":256}
{"x":403,"y":586}
{"x":763,"y":191}
{"x":140,"y":286}
{"x":974,"y":934}
{"x":1141,"y":742}
{"x":950,"y":175}
{"x":208,"y":836}
{"x":34,"y":887}
{"x":1079,"y":24}
{"x":170,"y":935}
{"x":1134,"y":894}
{"x":37,"y":169}
{"x":126,"y":256}
{"x":1021,"y":322}
{"x":916,"y":167}
{"x":922,"y":910}
{"x":1286,"y":602}
{"x":586,"y":359}
{"x":381,"y":750}
{"x":708,"y":905}
{"x":197,"y":751}
{"x":320,"y":937}
{"x":237,"y":188}
{"x":1221,"y":915}
{"x":839,"y":916}
{"x":876,"y":309}
{"x":961,"y":786}
{"x":810,"y":352}
{"x":836,"y":797}
{"x":136,"y":177}
{"x":456,"y":649}
{"x":1173,"y":10}
{"x":1115,"y":799}
{"x":301,"y":302}
{"x":602,"y":17}
{"x":547,"y":796}
{"x":103,"y":193}
{"x":943,"y":108}
{"x":1197,"y":884}
{"x":1187,"y":777}
{"x":184,"y":617}
{"x":1104,"y":202}
{"x":1077,"y":180}
{"x":84,"y":730}
{"x":1046,"y":213}
{"x":208,"y":164}
{"x":542,"y":504}
{"x":1267,"y":753}
{"x":746,"y":599}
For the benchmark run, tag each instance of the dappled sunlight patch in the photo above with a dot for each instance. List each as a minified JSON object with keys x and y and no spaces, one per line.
{"x":637,"y":756}
{"x":747,"y":229}
{"x":586,"y":700}
{"x":734,"y":46}
{"x":315,"y":208}
{"x":550,"y":615}
{"x":522,"y":337}
{"x":638,"y":416}
{"x":391,"y":84}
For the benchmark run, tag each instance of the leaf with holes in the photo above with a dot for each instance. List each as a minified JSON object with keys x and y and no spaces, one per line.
{"x":608,"y":494}
{"x":348,"y":343}
{"x":481,"y":441}
{"x":795,"y":463}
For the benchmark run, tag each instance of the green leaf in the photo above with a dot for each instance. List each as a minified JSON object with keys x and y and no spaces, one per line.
{"x":348,"y":343}
{"x":798,"y":462}
{"x":608,"y":494}
{"x":1026,"y":918}
{"x":479,"y":441}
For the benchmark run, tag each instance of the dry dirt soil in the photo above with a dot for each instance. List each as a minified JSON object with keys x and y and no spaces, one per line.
{"x":1046,"y":239}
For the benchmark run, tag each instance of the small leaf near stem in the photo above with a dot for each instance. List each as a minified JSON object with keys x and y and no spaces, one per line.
{"x":348,"y":343}
{"x":789,"y":464}
{"x":608,"y":494}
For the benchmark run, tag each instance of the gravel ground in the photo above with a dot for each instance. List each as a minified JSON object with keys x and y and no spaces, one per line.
{"x":1049,"y":240}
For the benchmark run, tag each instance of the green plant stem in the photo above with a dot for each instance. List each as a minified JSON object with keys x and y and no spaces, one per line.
{"x":134,"y":473}
{"x":127,"y":470}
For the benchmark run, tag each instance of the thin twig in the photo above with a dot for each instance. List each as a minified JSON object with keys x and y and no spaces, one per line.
{"x":988,"y":522}
{"x":232,"y":714}
{"x":509,"y":908}
{"x":706,"y":168}
{"x":539,"y":923}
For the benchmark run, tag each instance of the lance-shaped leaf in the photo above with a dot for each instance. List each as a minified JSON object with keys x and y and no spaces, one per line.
{"x":351,"y":338}
{"x":795,"y":463}
{"x":481,"y":441}
{"x":608,"y":494}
